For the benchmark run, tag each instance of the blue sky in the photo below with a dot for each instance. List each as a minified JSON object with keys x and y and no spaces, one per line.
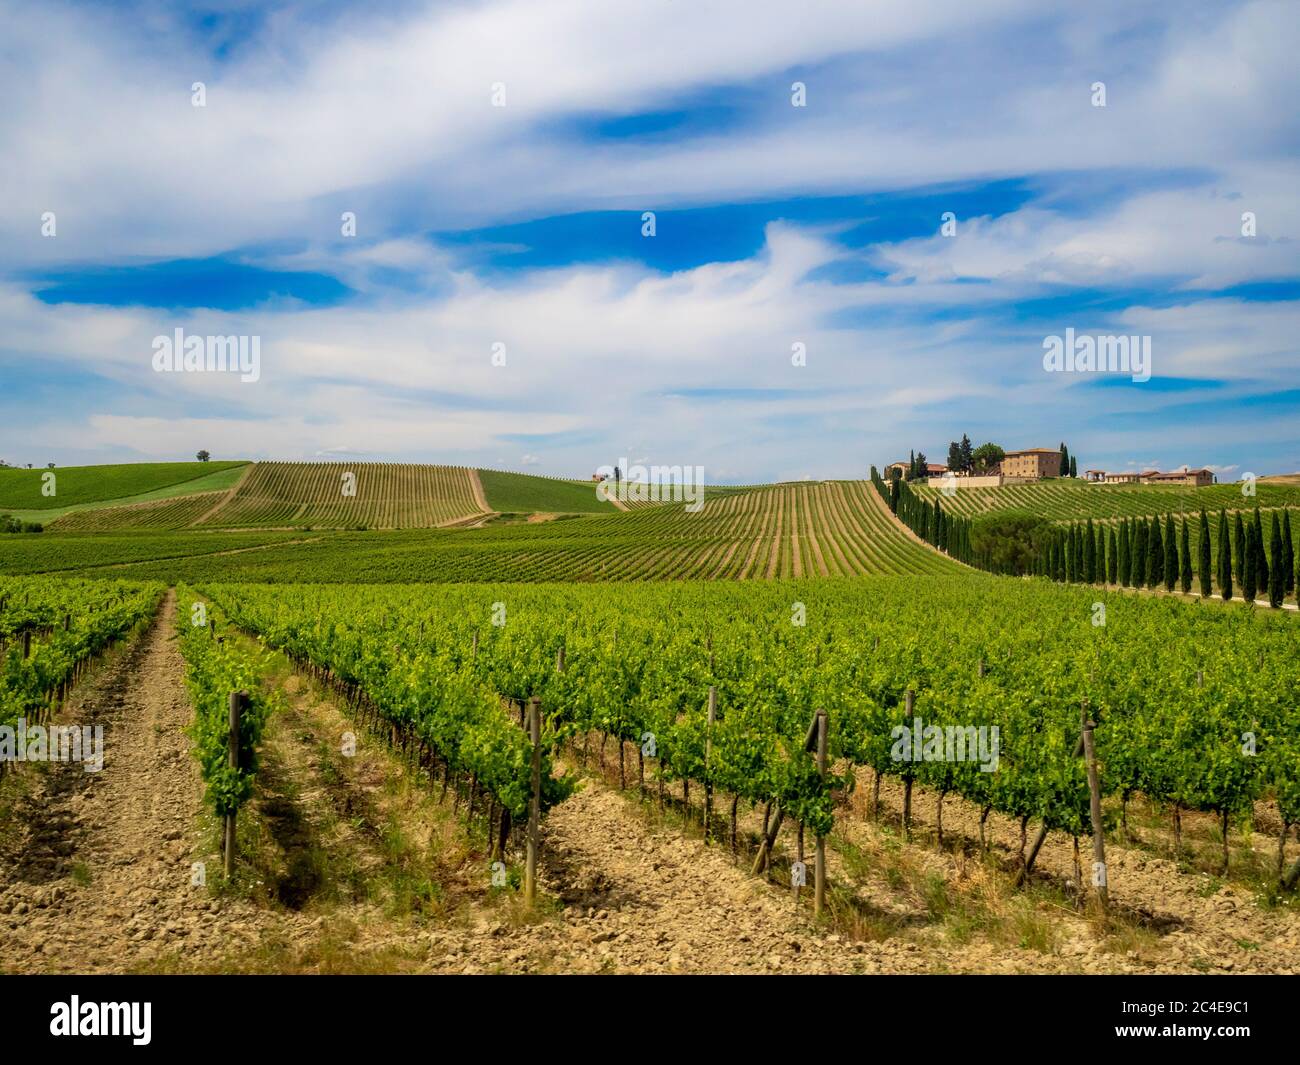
{"x":519,"y":229}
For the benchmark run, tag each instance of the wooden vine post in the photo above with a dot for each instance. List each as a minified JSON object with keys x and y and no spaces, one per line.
{"x":238,"y":700}
{"x":819,"y":894}
{"x":909,"y":710}
{"x":1094,"y":804}
{"x":535,"y":801}
{"x":708,"y":754}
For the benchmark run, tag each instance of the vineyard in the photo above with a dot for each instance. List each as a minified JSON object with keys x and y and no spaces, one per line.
{"x":781,"y":677}
{"x":1066,"y":499}
{"x":109,"y":554}
{"x":1195,"y":709}
{"x":837,"y":528}
{"x":50,"y":631}
{"x":162,"y":514}
{"x":349,"y":496}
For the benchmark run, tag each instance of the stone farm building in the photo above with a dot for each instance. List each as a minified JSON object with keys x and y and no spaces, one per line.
{"x":1034,"y":463}
{"x":1192,"y":478}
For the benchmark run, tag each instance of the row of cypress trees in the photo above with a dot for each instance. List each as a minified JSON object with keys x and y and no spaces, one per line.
{"x":1135,"y":552}
{"x":950,"y":533}
{"x":1146,"y":553}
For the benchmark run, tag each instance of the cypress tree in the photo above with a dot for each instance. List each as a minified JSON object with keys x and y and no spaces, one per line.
{"x":1064,"y":469}
{"x":1111,"y":570}
{"x":1225,"y":557}
{"x":1171,"y":554}
{"x":1089,"y":554}
{"x":1275,"y":590}
{"x":1239,"y":549}
{"x":1142,"y":557}
{"x":1261,"y":559}
{"x":1074,"y":467}
{"x":1185,"y":555}
{"x":1124,"y":561}
{"x":1204,"y":556}
{"x":1155,"y":554}
{"x":1137,"y":535}
{"x":1288,"y":554}
{"x":1249,"y":587}
{"x":1137,"y":569}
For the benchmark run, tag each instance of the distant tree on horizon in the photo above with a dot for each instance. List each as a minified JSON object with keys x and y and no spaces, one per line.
{"x":203,"y":456}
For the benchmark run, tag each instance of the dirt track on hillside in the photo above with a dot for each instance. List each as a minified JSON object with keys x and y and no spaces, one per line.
{"x":96,"y":874}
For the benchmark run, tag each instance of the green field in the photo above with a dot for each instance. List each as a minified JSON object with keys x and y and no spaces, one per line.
{"x":83,"y":487}
{"x":521,"y":493}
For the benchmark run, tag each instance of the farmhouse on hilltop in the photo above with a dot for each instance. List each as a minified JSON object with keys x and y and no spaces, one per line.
{"x":1033,"y":463}
{"x":1016,"y":467}
{"x":1192,"y":478}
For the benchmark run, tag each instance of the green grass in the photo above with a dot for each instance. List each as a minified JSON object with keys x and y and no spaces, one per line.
{"x":521,"y":493}
{"x":81,"y":487}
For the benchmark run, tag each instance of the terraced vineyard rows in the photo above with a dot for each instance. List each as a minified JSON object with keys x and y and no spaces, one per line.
{"x":1066,"y":500}
{"x":348,"y":495}
{"x":160,"y":514}
{"x":833,"y":528}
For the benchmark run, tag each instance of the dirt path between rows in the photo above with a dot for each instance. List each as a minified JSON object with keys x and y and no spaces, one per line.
{"x":96,"y":868}
{"x":226,"y":497}
{"x":360,"y":862}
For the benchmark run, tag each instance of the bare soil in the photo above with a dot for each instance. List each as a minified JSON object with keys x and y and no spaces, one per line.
{"x":359,"y":862}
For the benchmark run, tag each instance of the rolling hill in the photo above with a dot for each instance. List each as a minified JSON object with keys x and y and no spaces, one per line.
{"x":77,"y":488}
